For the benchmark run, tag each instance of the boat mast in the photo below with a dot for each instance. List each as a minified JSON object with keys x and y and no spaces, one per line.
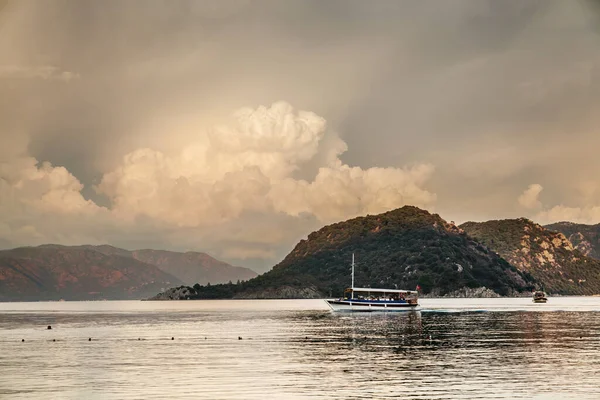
{"x":352,"y":275}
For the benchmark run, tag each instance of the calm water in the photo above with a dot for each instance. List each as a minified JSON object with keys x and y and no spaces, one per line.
{"x":297,"y":349}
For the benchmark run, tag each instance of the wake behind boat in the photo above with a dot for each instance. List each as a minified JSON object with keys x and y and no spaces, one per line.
{"x":375,"y":299}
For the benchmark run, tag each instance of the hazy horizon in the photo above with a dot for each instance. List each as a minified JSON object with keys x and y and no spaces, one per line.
{"x":237,"y":127}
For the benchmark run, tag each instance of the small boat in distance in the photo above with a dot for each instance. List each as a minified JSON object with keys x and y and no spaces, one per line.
{"x":539,"y":297}
{"x":375,"y":299}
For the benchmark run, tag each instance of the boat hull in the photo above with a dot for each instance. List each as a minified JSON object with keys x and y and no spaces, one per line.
{"x":362,"y":306}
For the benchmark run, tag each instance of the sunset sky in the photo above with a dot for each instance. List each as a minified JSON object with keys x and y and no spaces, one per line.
{"x":238,"y":127}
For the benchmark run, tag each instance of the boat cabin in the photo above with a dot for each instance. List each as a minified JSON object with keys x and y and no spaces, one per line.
{"x":382,"y":295}
{"x":539,"y":297}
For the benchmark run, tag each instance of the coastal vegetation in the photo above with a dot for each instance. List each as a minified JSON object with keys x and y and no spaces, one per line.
{"x":585,"y":238}
{"x":548,"y":256}
{"x":403,"y":248}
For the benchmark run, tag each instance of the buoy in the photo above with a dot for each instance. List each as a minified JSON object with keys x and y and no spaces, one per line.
{"x":54,"y":340}
{"x":22,"y":340}
{"x":139,"y":339}
{"x":172,"y":338}
{"x":90,"y":339}
{"x":49,"y":327}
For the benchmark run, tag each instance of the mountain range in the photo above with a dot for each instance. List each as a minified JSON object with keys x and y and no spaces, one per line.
{"x":552,"y":260}
{"x":410,"y":247}
{"x":53,"y":272}
{"x":403,"y":248}
{"x":190,"y":267}
{"x":585,"y":238}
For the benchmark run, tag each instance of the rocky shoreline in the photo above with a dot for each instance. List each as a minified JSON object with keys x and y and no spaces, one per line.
{"x":478,"y":293}
{"x":176,"y":293}
{"x":288,"y":292}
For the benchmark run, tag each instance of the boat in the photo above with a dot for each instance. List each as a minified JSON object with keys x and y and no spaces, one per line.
{"x":539,"y":297}
{"x":375,"y":299}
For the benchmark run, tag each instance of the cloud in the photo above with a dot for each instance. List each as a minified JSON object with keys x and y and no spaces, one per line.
{"x":588,"y":212}
{"x":39,"y":203}
{"x":529,"y":198}
{"x":485,"y":91}
{"x":584,"y":215}
{"x":44,"y":72}
{"x":44,"y":188}
{"x":234,"y":175}
{"x":340,"y":191}
{"x":249,"y":166}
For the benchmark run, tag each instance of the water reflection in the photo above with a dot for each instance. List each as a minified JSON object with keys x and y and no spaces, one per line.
{"x":290,"y":352}
{"x":492,"y":355}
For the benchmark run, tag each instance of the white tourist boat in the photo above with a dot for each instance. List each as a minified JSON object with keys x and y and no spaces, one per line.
{"x":375,"y":299}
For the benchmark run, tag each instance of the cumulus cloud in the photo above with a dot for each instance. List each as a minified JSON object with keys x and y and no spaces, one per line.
{"x":339,"y":190}
{"x":30,"y":193}
{"x":585,"y":211}
{"x":583,"y":215}
{"x":235,"y":175}
{"x":45,"y":188}
{"x":249,"y":166}
{"x":529,"y":198}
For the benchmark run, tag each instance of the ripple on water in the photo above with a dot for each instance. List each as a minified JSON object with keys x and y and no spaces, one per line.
{"x":297,"y":351}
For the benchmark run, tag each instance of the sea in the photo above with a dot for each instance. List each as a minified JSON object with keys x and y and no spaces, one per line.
{"x":505,"y":348}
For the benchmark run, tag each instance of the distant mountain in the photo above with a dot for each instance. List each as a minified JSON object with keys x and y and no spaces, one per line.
{"x":547,"y":255}
{"x":193,"y":267}
{"x":585,"y":238}
{"x":105,"y":272}
{"x":57,"y":272}
{"x":401,"y":248}
{"x":190,"y":267}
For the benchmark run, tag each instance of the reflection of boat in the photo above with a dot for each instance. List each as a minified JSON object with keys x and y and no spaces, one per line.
{"x":374,"y":299}
{"x":539,"y":297}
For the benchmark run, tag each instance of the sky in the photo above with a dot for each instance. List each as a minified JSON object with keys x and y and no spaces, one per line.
{"x":237,"y":127}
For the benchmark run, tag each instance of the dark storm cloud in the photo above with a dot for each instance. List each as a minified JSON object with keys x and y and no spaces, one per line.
{"x":497,"y":95}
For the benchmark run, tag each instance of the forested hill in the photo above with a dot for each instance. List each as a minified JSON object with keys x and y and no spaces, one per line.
{"x":585,"y":238}
{"x":86,"y":272}
{"x":60,"y":272}
{"x":547,"y":255}
{"x":402,"y":248}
